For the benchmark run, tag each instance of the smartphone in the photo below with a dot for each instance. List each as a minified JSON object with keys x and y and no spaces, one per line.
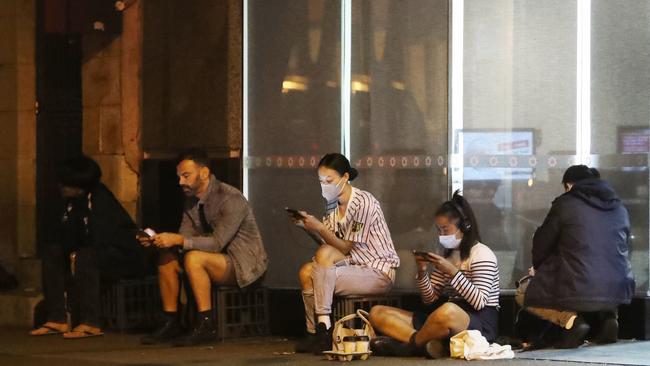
{"x":295,"y":213}
{"x":146,"y":233}
{"x":421,"y":254}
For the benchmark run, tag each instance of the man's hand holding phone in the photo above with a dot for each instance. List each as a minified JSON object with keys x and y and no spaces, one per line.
{"x":145,"y":237}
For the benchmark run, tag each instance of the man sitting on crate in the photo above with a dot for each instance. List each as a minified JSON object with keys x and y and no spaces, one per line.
{"x":218,"y":241}
{"x":94,"y":243}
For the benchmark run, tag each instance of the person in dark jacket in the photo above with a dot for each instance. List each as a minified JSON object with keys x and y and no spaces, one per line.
{"x":580,"y":260}
{"x":95,"y":244}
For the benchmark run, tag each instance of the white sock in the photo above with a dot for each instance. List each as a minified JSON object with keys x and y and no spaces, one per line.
{"x":325,"y":319}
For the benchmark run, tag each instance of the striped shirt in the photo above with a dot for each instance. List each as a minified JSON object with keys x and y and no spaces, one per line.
{"x":476,"y":282}
{"x":365,"y":226}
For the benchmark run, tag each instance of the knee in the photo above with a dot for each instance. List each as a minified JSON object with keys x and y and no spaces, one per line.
{"x":193,"y":261}
{"x":305,"y":275}
{"x":325,"y":255}
{"x":377,"y":314}
{"x":445,"y":314}
{"x":168,"y":263}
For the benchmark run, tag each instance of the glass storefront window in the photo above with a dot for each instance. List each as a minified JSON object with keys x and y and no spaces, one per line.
{"x":519,"y":119}
{"x":543,"y":85}
{"x":398,"y":118}
{"x":620,"y":112}
{"x":293,"y":119}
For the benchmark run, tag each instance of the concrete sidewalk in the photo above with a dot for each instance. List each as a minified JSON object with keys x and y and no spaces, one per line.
{"x":17,"y":348}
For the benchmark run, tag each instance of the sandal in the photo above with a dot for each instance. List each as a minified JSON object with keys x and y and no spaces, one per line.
{"x":83,"y":331}
{"x":47,"y":329}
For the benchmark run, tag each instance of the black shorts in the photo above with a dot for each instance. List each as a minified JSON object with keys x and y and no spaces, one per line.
{"x":485,"y":320}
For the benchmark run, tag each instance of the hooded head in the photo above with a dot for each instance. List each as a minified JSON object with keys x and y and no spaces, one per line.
{"x":585,"y":183}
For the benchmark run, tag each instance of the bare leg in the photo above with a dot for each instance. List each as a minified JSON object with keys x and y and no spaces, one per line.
{"x":393,"y":322}
{"x":446,"y":321}
{"x":307,"y":286}
{"x":305,"y":277}
{"x":203,"y":268}
{"x":168,"y":281}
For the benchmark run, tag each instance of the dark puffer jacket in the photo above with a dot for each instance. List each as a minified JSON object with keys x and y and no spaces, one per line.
{"x":580,"y":253}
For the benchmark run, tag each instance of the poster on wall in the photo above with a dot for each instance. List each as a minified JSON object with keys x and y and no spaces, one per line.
{"x":487,"y":150}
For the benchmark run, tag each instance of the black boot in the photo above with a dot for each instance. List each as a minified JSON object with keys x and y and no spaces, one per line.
{"x":204,"y":332}
{"x":608,"y":332}
{"x":169,"y":330}
{"x":574,"y":337}
{"x":323,"y":339}
{"x":389,"y":347}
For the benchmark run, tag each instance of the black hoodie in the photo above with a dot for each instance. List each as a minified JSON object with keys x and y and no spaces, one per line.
{"x":580,"y":253}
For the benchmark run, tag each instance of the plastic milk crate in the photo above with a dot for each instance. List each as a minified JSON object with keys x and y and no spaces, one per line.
{"x":131,"y":304}
{"x":346,"y":305}
{"x":240,"y":312}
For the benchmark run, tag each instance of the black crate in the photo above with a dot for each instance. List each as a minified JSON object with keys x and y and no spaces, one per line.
{"x":131,"y":304}
{"x":240,"y":312}
{"x":346,"y":305}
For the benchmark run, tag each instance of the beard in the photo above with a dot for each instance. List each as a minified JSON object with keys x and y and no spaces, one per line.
{"x":190,"y":191}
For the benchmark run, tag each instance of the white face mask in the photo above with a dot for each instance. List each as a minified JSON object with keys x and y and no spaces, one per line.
{"x":449,"y":241}
{"x":332,"y":191}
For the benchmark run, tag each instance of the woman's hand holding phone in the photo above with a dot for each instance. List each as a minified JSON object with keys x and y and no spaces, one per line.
{"x":422,"y":261}
{"x":297,"y":217}
{"x":442,"y":264}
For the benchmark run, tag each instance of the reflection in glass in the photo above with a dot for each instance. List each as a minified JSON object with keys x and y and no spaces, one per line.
{"x":399,"y":116}
{"x":294,"y":119}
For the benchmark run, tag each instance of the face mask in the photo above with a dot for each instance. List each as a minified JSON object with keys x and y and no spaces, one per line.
{"x":330,"y":191}
{"x":449,"y":241}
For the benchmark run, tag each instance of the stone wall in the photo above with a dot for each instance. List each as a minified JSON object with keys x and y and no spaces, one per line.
{"x":17,"y":132}
{"x":111,"y":106}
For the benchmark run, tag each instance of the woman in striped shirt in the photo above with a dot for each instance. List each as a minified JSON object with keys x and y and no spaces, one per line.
{"x":461,"y":291}
{"x":356,"y":258}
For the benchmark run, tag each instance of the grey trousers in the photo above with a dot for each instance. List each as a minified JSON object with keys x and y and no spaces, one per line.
{"x":343,"y":280}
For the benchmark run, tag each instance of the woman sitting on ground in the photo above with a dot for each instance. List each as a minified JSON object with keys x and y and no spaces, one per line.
{"x":461,"y":291}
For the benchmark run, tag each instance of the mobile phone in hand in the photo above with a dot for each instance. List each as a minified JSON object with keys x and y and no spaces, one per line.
{"x":145,"y":234}
{"x":421,"y":254}
{"x":295,"y":213}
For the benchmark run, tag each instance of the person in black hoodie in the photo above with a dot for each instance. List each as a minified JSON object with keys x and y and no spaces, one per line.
{"x":581,"y":269}
{"x":96,"y":243}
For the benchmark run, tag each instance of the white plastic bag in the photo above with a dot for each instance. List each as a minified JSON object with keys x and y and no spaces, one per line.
{"x":471,"y":345}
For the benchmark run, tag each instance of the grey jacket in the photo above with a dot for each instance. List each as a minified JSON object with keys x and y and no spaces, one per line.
{"x":234,"y":229}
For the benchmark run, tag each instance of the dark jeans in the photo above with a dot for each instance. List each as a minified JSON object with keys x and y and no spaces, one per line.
{"x":93,"y":267}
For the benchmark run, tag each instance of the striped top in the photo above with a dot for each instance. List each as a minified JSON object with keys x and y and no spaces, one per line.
{"x":476,"y":282}
{"x":365,"y":226}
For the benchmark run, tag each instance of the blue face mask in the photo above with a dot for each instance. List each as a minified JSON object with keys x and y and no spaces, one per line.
{"x":449,"y":241}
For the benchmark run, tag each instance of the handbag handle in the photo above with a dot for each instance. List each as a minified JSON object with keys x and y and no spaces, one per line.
{"x":366,"y":318}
